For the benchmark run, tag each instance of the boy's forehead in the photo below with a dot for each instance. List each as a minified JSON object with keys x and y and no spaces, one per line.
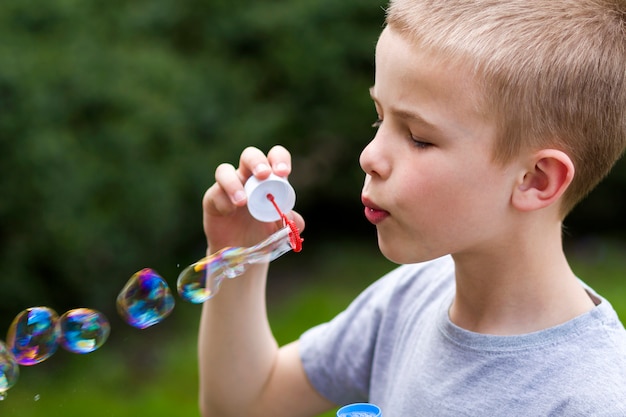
{"x":385,"y":40}
{"x":420,"y":88}
{"x":403,"y":63}
{"x":394,"y":51}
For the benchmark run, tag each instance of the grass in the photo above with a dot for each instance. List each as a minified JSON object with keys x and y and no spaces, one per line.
{"x":153,"y":372}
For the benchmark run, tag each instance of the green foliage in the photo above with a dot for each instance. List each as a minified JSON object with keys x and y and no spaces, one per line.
{"x":114,"y":115}
{"x":600,"y":263}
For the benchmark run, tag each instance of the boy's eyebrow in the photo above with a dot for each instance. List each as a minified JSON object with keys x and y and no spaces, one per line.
{"x":404,"y":114}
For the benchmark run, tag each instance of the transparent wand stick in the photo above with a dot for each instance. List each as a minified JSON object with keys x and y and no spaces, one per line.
{"x":201,"y":281}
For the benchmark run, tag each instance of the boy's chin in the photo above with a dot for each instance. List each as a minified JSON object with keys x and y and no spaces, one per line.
{"x":395,"y":254}
{"x":402,"y":254}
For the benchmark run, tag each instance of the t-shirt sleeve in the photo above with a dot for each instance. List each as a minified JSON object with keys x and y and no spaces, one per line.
{"x":338,"y":355}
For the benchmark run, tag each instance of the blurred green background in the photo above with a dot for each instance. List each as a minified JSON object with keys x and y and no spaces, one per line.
{"x":113,"y":117}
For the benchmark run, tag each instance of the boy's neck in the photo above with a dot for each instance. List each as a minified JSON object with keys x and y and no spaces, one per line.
{"x":518,"y":288}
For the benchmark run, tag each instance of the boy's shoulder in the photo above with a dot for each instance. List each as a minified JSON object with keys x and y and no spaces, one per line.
{"x":593,"y":374}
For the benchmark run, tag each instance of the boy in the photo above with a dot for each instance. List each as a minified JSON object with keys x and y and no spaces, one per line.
{"x":495,"y":119}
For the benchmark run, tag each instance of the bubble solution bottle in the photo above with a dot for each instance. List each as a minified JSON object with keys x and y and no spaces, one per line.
{"x":359,"y":410}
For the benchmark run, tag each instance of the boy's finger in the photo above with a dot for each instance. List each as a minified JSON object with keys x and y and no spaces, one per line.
{"x":231,"y":184}
{"x":216,"y":202}
{"x":280,"y":160}
{"x":253,"y":162}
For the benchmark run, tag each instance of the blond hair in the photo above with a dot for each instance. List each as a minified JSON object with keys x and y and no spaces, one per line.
{"x":553,"y":72}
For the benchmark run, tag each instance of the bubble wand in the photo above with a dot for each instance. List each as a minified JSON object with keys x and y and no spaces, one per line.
{"x":201,"y":281}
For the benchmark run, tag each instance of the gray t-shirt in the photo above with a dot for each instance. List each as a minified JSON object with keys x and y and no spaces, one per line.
{"x":395,"y":346}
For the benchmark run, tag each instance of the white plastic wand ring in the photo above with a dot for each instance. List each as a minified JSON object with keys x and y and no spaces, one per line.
{"x":260,"y":207}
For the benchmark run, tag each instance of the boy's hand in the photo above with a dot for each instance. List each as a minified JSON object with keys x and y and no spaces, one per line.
{"x":226,"y":219}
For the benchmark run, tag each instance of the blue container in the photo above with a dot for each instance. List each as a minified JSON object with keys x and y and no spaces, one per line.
{"x":359,"y":410}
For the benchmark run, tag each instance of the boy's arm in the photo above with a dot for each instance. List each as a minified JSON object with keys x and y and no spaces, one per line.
{"x":243,"y":372}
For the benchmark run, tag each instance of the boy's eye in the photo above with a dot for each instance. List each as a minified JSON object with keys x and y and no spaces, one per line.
{"x":419,"y":143}
{"x":377,"y":123}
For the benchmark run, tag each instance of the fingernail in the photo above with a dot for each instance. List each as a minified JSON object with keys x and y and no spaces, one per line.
{"x":282,"y":167}
{"x":260,"y":168}
{"x":239,"y":196}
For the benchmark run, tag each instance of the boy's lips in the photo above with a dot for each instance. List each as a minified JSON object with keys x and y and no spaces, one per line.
{"x":373,"y":213}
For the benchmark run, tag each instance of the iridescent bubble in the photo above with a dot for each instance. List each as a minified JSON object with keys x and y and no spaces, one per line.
{"x":145,"y":300}
{"x":32,"y":337}
{"x":9,"y":369}
{"x":83,"y":330}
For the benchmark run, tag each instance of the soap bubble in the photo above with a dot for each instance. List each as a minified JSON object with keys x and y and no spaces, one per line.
{"x":145,"y":300}
{"x":9,"y":369}
{"x":32,"y":337}
{"x":83,"y":330}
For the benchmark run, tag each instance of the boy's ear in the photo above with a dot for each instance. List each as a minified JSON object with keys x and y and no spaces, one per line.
{"x":550,"y":173}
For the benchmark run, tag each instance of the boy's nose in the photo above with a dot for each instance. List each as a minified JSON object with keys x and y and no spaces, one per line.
{"x":373,"y":160}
